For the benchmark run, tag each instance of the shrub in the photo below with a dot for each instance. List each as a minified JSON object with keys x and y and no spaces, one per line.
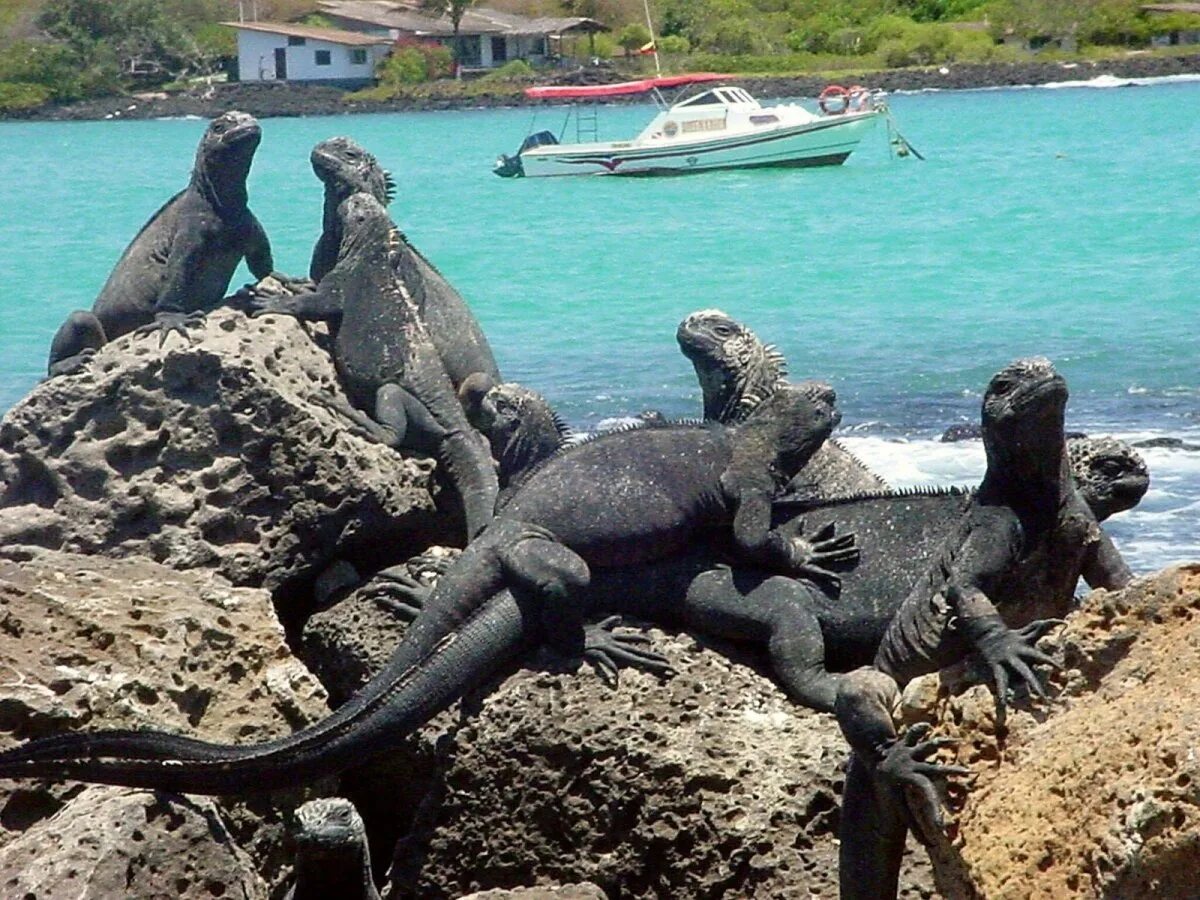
{"x":633,"y":37}
{"x":16,"y":95}
{"x":412,"y":62}
{"x":674,"y":43}
{"x":513,"y":70}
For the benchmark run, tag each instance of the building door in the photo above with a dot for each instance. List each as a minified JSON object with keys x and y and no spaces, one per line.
{"x":281,"y":63}
{"x":499,"y":50}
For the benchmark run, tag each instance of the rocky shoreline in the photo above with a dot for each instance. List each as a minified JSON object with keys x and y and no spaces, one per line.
{"x":269,"y":100}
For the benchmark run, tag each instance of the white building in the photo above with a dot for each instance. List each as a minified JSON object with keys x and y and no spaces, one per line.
{"x":277,"y":51}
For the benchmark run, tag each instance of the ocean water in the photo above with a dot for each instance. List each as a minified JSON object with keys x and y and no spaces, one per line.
{"x":1060,"y":222}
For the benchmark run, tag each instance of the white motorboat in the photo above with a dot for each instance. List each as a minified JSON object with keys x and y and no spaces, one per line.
{"x":721,"y":127}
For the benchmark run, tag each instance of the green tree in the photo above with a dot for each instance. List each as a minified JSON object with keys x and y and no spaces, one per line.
{"x":454,"y":10}
{"x":633,"y":37}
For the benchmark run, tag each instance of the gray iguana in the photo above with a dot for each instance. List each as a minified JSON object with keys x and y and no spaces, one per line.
{"x":386,"y":359}
{"x":1013,"y":558}
{"x":346,"y":168}
{"x":736,"y":372}
{"x":333,"y":861}
{"x":180,"y":263}
{"x":620,"y":499}
{"x":520,"y":425}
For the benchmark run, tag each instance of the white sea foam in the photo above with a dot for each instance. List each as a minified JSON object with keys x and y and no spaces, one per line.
{"x":1160,"y":531}
{"x":1100,"y":82}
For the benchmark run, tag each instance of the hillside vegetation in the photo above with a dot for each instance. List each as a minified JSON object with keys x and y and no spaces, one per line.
{"x":62,"y":50}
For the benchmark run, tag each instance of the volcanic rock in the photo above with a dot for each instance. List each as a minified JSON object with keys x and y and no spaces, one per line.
{"x":88,"y":642}
{"x":216,"y":453}
{"x":1096,"y":794}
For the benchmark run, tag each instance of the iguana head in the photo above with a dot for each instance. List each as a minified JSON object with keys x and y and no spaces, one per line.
{"x":328,"y":825}
{"x":1023,"y":411}
{"x":224,"y":156}
{"x":784,"y":431}
{"x":346,"y":168}
{"x":737,"y":371}
{"x":519,"y":424}
{"x":1110,"y":474}
{"x":365,"y":226}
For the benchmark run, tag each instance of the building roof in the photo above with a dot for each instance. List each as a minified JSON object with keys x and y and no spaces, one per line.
{"x":476,"y":20}
{"x":332,"y":35}
{"x":1172,"y":7}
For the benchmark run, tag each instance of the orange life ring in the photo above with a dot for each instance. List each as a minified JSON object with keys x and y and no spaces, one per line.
{"x":835,"y":92}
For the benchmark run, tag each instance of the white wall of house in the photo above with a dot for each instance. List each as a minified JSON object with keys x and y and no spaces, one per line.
{"x":488,"y":51}
{"x":257,"y":58}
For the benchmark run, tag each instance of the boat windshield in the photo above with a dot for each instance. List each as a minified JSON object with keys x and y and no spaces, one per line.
{"x":723,"y":96}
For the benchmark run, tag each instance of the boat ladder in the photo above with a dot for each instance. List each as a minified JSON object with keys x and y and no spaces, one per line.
{"x":587,"y":124}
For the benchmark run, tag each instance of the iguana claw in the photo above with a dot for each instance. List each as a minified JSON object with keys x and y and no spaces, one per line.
{"x":607,"y":651}
{"x":166,"y":323}
{"x":818,"y":556}
{"x":1013,"y":650}
{"x":904,"y":766}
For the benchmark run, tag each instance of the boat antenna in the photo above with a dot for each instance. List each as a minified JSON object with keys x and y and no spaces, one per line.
{"x":653,"y":40}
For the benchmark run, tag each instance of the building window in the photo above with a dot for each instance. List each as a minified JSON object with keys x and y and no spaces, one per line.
{"x":322,"y":57}
{"x":470,"y":50}
{"x":295,"y":42}
{"x":358,"y":57}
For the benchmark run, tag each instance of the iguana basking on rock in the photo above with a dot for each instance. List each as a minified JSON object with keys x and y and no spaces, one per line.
{"x":387,"y":360}
{"x":520,"y":425}
{"x":737,"y":371}
{"x":333,"y":861}
{"x":621,"y":499}
{"x":179,"y":265}
{"x":346,"y":168}
{"x":1013,"y":558}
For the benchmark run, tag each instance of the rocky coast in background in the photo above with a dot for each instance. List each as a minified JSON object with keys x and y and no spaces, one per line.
{"x":265,"y":100}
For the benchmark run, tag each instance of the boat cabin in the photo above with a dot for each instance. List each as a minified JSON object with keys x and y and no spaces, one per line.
{"x":713,"y":110}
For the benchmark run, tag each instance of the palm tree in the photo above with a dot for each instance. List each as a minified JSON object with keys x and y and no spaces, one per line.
{"x":454,"y":10}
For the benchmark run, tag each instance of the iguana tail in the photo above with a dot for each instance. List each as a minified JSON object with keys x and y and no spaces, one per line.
{"x":405,"y":694}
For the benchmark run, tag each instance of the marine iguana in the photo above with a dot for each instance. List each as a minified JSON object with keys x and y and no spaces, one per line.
{"x":736,"y":371}
{"x":519,"y":424}
{"x":346,"y":168}
{"x":622,"y":498}
{"x":387,"y":361}
{"x":333,"y":861}
{"x":180,"y":263}
{"x":1014,"y":557}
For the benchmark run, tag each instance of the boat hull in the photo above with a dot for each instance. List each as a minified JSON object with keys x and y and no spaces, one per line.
{"x":826,"y":142}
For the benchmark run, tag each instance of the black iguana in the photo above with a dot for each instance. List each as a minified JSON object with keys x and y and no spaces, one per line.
{"x":1013,"y":559}
{"x":333,"y":861}
{"x":618,"y":500}
{"x":386,"y":359}
{"x":736,"y":372}
{"x":346,"y":168}
{"x":180,"y":263}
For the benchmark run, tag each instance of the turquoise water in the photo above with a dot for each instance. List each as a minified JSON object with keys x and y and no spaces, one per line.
{"x":1059,"y":222}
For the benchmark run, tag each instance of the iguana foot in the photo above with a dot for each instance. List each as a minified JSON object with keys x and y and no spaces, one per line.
{"x":266,"y":304}
{"x":607,"y":651}
{"x":167,"y":322}
{"x":398,"y":591}
{"x":817,"y":557}
{"x":1008,"y":650}
{"x":904,"y":766}
{"x":359,"y":422}
{"x":73,"y":365}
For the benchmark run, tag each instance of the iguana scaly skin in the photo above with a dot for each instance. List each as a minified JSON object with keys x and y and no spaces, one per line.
{"x":387,"y":360}
{"x":333,"y":861}
{"x":621,"y":499}
{"x":346,"y":168}
{"x":180,"y":263}
{"x":736,"y":372}
{"x":1015,"y":556}
{"x":521,"y":427}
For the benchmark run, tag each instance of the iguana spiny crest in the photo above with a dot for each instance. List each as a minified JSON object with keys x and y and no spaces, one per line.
{"x":736,"y":370}
{"x":346,"y":168}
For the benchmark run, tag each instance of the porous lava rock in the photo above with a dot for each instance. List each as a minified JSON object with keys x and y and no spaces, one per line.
{"x":1097,"y":793}
{"x":89,"y":642}
{"x":583,"y":891}
{"x":218,"y":452}
{"x":711,"y":784}
{"x":114,"y":842}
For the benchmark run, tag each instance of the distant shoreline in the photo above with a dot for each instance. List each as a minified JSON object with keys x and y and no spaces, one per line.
{"x":270,"y":100}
